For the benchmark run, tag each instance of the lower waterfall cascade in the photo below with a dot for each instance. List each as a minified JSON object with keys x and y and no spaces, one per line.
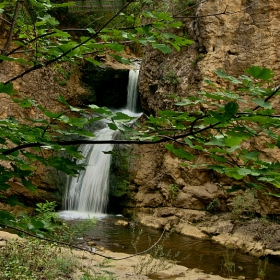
{"x":87,"y":194}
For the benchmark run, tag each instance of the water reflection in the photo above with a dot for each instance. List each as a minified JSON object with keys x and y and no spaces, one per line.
{"x":194,"y":253}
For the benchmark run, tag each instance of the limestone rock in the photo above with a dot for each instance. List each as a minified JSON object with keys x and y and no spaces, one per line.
{"x":122,"y":223}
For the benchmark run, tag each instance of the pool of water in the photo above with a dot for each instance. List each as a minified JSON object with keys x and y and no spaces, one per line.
{"x":194,"y":253}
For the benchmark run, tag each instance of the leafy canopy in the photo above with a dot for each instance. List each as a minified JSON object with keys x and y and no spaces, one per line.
{"x":233,"y":117}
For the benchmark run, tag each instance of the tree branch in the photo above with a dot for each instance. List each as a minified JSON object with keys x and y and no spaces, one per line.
{"x":41,"y":65}
{"x":87,"y":141}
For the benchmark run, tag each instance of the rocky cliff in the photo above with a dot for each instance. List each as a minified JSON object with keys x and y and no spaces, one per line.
{"x":231,"y":35}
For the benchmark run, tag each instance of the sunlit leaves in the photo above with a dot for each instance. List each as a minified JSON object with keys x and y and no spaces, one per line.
{"x":260,"y":73}
{"x":181,"y":153}
{"x":162,"y":47}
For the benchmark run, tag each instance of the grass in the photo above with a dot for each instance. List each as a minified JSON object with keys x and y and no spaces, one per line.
{"x":33,"y":259}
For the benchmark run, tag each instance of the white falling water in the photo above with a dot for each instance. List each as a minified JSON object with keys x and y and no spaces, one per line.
{"x":89,"y":191}
{"x":132,"y":91}
{"x":87,"y":194}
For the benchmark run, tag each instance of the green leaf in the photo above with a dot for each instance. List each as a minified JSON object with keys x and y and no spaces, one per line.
{"x":260,"y":73}
{"x":251,"y":155}
{"x":24,"y":103}
{"x":162,"y":47}
{"x":6,"y":217}
{"x":112,"y":126}
{"x":122,"y":117}
{"x":66,"y":165}
{"x":232,"y":141}
{"x":219,"y":158}
{"x":8,"y":88}
{"x":62,"y":100}
{"x":216,"y":142}
{"x":120,"y":59}
{"x":93,"y":61}
{"x":74,"y":152}
{"x":116,"y":47}
{"x":13,"y":200}
{"x":29,"y":185}
{"x":262,"y":103}
{"x":231,"y":109}
{"x":49,"y":113}
{"x":181,"y":153}
{"x":234,"y":174}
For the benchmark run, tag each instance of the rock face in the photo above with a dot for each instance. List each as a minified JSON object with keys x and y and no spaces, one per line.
{"x":242,"y":33}
{"x":44,"y":86}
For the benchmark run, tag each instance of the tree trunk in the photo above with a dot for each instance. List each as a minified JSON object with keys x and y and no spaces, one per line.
{"x":11,"y":32}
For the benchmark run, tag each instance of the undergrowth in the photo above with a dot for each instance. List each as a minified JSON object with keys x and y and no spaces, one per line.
{"x":35,"y":259}
{"x":158,"y":259}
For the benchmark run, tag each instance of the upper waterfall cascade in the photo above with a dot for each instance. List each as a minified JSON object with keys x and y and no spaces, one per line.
{"x":88,"y":192}
{"x":132,"y":91}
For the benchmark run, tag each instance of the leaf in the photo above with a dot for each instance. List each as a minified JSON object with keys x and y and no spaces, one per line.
{"x":234,"y":174}
{"x":24,"y":103}
{"x":112,"y":126}
{"x":120,"y":59}
{"x":6,"y":217}
{"x":231,"y":109}
{"x":80,"y":122}
{"x":93,"y":61}
{"x":74,"y":152}
{"x":66,"y":165}
{"x":251,"y":155}
{"x":62,"y":100}
{"x":8,"y":88}
{"x":181,"y":153}
{"x":122,"y":117}
{"x":13,"y":200}
{"x":216,"y":142}
{"x":49,"y":113}
{"x":115,"y":47}
{"x":29,"y":185}
{"x":260,"y":73}
{"x":162,"y":47}
{"x":219,"y":158}
{"x":232,"y":141}
{"x":262,"y":103}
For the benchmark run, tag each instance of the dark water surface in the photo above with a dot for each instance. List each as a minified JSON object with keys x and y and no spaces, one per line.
{"x":194,"y":253}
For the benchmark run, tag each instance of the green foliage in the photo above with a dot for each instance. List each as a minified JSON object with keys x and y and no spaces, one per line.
{"x":238,"y":111}
{"x":245,"y":204}
{"x":171,"y":78}
{"x":33,"y":259}
{"x":223,"y":131}
{"x":174,"y":191}
{"x":213,"y":206}
{"x":262,"y":268}
{"x":46,"y":223}
{"x":227,"y":264}
{"x":119,"y":176}
{"x":158,"y":259}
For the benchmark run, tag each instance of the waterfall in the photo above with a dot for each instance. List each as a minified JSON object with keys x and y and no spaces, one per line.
{"x":132,"y":91}
{"x":88,"y":192}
